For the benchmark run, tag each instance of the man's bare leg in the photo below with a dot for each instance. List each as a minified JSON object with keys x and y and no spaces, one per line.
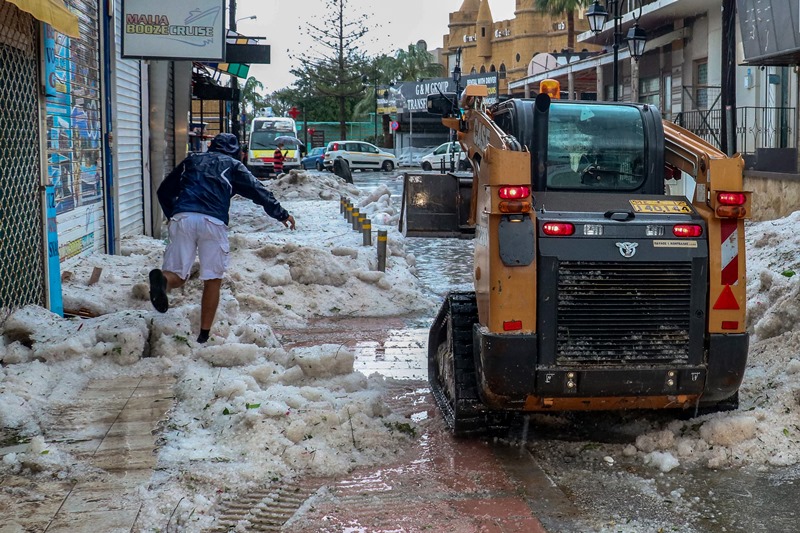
{"x":173,"y":280}
{"x":208,"y":307}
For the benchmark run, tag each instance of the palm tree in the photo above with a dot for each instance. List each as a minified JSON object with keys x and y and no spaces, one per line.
{"x":560,"y":7}
{"x":251,"y":96}
{"x":416,"y":63}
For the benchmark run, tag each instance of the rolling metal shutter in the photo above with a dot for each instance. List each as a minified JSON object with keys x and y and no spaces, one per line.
{"x":21,"y":224}
{"x":128,"y":145}
{"x":74,"y":139}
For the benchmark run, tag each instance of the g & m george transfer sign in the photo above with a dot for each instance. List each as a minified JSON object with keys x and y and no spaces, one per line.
{"x":159,"y":29}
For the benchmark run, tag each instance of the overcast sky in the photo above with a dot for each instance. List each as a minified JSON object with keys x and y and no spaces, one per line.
{"x":395,"y":25}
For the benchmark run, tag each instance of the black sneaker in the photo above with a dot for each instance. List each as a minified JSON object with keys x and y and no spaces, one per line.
{"x":158,"y":291}
{"x":203,"y":337}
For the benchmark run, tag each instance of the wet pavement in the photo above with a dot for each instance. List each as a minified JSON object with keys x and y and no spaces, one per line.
{"x":112,"y":426}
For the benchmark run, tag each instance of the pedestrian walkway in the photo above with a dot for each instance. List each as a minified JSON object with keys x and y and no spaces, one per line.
{"x":110,"y":427}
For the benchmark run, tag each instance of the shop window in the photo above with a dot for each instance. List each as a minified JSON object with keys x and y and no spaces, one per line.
{"x":650,"y":91}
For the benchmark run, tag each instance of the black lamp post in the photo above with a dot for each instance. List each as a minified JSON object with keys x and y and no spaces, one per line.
{"x":365,"y":79}
{"x":636,"y":38}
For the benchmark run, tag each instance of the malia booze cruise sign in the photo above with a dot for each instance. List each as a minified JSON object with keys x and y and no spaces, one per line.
{"x":155,"y":29}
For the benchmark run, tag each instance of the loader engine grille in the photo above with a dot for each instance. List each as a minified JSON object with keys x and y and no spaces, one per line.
{"x":623,"y":312}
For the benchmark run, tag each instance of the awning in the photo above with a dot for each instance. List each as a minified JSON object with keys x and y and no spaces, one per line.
{"x":52,"y":12}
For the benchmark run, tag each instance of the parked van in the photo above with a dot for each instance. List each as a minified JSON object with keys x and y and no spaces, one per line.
{"x":261,"y":145}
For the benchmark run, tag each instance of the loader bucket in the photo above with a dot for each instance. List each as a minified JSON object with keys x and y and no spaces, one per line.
{"x":436,"y":205}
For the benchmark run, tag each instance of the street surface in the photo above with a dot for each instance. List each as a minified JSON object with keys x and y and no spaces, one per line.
{"x":559,"y":466}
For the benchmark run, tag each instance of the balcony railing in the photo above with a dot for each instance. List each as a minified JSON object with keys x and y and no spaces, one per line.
{"x":756,"y":127}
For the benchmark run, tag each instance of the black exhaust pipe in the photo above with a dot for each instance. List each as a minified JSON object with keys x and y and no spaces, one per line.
{"x":541,"y":113}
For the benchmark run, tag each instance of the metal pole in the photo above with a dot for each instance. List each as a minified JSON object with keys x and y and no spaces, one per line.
{"x":375,"y":118}
{"x":382,"y":241}
{"x":366,"y":232}
{"x":234,"y":80}
{"x":615,"y":11}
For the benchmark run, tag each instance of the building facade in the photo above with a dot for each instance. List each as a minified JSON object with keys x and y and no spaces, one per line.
{"x":507,"y":46}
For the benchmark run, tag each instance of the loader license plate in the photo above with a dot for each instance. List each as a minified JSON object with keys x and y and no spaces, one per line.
{"x":661,"y":206}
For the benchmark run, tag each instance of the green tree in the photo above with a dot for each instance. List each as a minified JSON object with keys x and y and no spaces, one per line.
{"x":564,"y":7}
{"x":382,"y":70}
{"x":333,"y":67}
{"x":411,"y":64}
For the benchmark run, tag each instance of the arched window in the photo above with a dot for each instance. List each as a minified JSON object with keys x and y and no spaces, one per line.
{"x":502,"y":71}
{"x":483,"y":69}
{"x":492,"y":69}
{"x":473,"y":71}
{"x":483,"y":32}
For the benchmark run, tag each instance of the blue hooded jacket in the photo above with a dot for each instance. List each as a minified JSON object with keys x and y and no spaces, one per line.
{"x":206,"y":182}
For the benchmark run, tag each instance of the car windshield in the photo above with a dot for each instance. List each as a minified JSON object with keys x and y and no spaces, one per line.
{"x":595,"y":147}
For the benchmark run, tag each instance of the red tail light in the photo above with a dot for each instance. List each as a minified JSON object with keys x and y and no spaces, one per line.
{"x":731,"y":198}
{"x":558,"y":229}
{"x":512,"y":325}
{"x":514,"y":192}
{"x":687,"y":230}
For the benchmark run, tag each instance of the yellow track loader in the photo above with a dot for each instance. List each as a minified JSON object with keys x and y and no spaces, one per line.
{"x":593,"y":288}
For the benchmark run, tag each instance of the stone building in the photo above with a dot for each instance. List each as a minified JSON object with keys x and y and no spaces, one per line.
{"x":507,"y":46}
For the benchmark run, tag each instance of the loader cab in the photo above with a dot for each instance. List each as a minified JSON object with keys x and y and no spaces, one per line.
{"x":589,"y":146}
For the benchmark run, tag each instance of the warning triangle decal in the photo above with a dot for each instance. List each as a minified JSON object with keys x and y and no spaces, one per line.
{"x":726,"y":300}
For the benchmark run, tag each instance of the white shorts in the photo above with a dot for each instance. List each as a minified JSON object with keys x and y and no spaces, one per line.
{"x":192,"y":235}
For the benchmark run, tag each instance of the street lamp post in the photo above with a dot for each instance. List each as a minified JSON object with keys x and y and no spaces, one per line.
{"x":365,"y":79}
{"x":636,"y":37}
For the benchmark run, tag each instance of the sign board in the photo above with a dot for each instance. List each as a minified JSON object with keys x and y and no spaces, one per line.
{"x":394,"y":125}
{"x":412,"y":96}
{"x":769,"y":31}
{"x":317,"y":138}
{"x":155,"y":29}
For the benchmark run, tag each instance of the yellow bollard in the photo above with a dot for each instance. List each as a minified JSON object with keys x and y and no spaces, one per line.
{"x":366,"y":231}
{"x":382,"y":242}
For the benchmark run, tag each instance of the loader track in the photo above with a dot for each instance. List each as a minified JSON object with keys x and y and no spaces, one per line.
{"x":451,"y":366}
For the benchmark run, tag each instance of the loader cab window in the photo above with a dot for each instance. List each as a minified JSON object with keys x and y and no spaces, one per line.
{"x":595,"y":148}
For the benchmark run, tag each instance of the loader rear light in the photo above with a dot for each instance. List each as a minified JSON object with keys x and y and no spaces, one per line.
{"x":512,"y":325}
{"x":509,"y":192}
{"x":593,"y":230}
{"x":731,"y":211}
{"x":558,"y":229}
{"x":687,"y":230}
{"x":731,"y":198}
{"x":730,"y":324}
{"x":515,"y":207}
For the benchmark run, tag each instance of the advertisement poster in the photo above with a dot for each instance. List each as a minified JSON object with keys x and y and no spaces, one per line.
{"x":153,"y":29}
{"x":74,"y":139}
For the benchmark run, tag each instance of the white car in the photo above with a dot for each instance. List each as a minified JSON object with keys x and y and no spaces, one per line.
{"x":440,"y":158}
{"x":359,"y":155}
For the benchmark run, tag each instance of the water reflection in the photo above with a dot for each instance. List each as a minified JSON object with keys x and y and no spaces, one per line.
{"x":442,"y":264}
